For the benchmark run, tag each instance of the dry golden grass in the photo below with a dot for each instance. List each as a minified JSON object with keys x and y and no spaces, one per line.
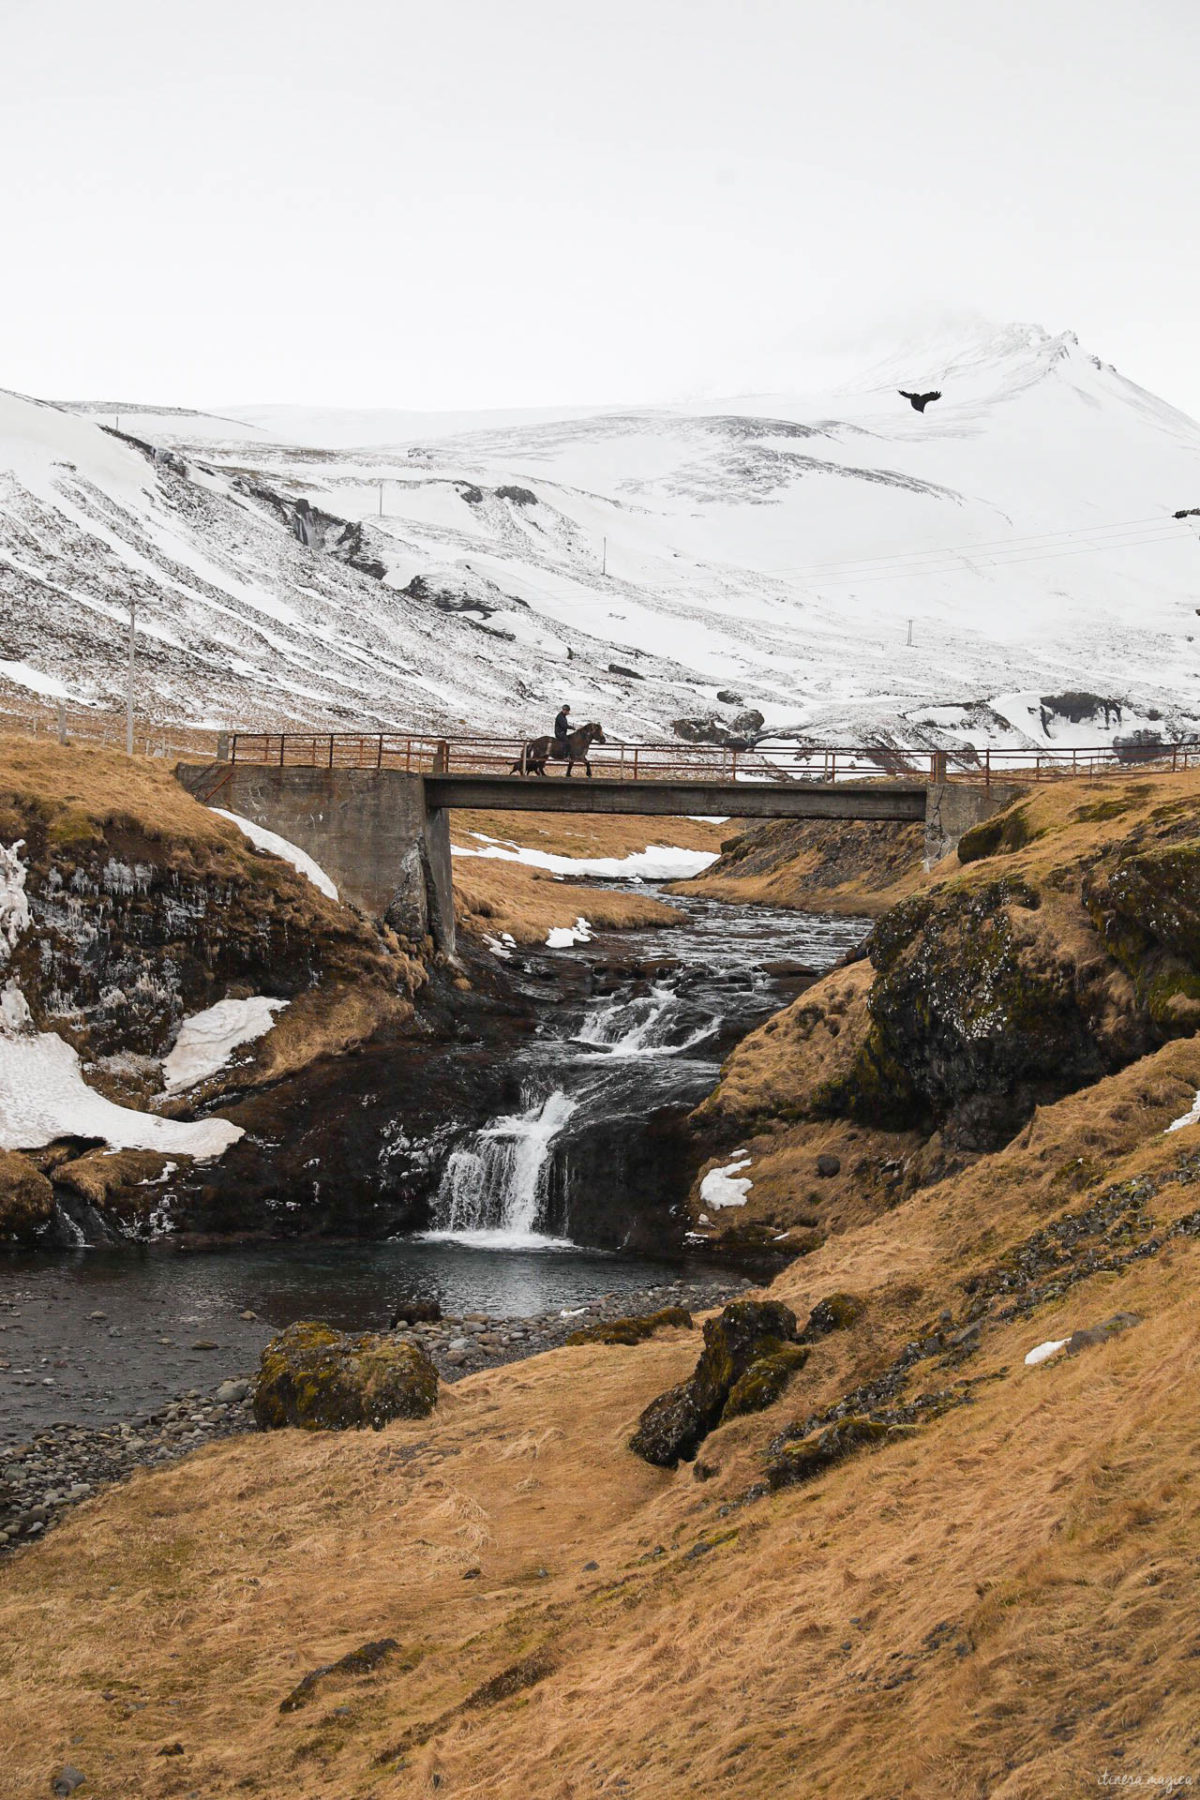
{"x":492,"y":897}
{"x":84,"y":784}
{"x":1002,"y":1605}
{"x":495,"y":896}
{"x":587,"y":834}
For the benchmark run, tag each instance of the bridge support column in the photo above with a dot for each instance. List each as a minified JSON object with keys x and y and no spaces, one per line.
{"x":369,"y":829}
{"x":952,"y":807}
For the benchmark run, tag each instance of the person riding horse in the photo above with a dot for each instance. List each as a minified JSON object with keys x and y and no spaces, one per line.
{"x":565,"y":746}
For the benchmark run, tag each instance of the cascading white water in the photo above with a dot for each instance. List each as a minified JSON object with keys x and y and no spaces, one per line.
{"x":640,"y":1027}
{"x":496,"y":1190}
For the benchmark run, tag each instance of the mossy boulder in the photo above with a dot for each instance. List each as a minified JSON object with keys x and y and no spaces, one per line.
{"x":1147,"y":910}
{"x":635,"y":1329}
{"x":1004,"y":832}
{"x":836,"y":1312}
{"x":765,"y":1380}
{"x":327,"y":1380}
{"x":26,"y":1199}
{"x":745,"y":1334}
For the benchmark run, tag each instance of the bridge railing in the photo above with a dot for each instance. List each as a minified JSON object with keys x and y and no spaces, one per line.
{"x":781,"y":760}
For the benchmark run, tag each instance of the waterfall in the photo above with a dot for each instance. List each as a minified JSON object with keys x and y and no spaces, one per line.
{"x":495,"y":1191}
{"x":641,"y":1027}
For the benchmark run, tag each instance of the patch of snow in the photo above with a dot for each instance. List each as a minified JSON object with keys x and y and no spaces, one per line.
{"x":23,"y":676}
{"x":279,"y":846}
{"x":208,"y":1039}
{"x":561,"y":937}
{"x":43,"y":1096}
{"x":658,"y":862}
{"x":726,"y":1186}
{"x":1042,"y":1352}
{"x":1191,"y":1117}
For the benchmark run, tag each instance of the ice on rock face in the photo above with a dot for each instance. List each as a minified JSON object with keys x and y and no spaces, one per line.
{"x":43,"y":1095}
{"x":14,"y":904}
{"x":561,"y":937}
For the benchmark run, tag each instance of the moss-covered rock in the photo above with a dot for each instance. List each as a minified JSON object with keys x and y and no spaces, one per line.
{"x":1006,"y":831}
{"x":1147,"y":910}
{"x":326,"y":1380}
{"x":977,"y":1016}
{"x":26,"y":1199}
{"x":764,"y":1381}
{"x":672,"y":1427}
{"x":633,"y":1330}
{"x":796,"y":1463}
{"x":837,"y":1312}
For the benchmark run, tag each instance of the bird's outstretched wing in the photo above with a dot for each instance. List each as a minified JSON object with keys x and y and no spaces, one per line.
{"x":918,"y":401}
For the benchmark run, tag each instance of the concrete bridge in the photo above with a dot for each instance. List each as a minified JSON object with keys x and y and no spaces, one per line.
{"x":383,"y":833}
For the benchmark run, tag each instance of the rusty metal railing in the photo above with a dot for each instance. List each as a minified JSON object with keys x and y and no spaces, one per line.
{"x":781,"y":760}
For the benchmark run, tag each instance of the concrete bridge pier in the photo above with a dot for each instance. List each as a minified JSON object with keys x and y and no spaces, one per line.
{"x":370,"y":829}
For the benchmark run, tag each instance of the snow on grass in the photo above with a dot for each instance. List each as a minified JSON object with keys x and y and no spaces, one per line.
{"x":561,"y":937}
{"x":23,"y":676}
{"x":208,"y":1039}
{"x":1190,"y":1117}
{"x":727,"y":1186}
{"x":279,"y":846}
{"x":1043,"y":1352}
{"x":658,"y":862}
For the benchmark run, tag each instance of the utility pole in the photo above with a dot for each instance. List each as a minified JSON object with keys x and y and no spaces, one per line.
{"x":132,"y":674}
{"x":604,"y":556}
{"x":908,"y":639}
{"x":382,"y":479}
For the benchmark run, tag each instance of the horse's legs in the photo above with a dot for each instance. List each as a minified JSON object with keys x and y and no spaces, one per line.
{"x":587,"y":765}
{"x":570,"y":767}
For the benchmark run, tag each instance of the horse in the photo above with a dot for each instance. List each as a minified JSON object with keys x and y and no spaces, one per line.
{"x":571,"y":749}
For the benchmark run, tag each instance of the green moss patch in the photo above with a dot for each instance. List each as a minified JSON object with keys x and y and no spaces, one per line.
{"x":633,"y":1330}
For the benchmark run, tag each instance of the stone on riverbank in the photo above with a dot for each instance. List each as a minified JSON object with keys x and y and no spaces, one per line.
{"x":327,"y":1380}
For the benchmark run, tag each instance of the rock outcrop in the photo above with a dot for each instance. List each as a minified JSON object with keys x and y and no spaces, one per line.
{"x":750,"y":1351}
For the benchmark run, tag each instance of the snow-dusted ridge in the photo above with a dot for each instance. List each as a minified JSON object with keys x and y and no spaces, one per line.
{"x":772,"y":545}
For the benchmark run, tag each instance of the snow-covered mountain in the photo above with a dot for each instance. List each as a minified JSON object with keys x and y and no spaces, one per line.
{"x":635,"y":562}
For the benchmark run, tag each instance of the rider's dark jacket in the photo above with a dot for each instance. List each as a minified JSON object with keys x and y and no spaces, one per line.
{"x":562,"y":725}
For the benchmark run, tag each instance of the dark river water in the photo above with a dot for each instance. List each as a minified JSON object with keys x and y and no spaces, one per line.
{"x":501,"y":1245}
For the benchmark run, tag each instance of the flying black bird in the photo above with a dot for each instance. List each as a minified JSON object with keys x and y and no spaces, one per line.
{"x":919,"y":401}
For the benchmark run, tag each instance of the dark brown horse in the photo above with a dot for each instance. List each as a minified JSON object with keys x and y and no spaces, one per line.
{"x":539,"y":751}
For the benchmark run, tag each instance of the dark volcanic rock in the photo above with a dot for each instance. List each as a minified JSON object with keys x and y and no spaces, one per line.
{"x":746,"y":1335}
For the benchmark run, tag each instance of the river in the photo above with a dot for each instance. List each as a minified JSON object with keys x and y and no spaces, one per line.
{"x":543,"y":1208}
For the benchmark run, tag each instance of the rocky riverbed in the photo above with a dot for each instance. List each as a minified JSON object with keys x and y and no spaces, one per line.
{"x":66,"y":1463}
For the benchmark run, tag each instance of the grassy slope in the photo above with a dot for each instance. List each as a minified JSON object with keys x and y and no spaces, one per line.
{"x":495,"y":896}
{"x":1001,"y":1604}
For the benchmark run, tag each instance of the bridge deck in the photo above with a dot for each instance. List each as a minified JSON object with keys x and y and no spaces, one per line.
{"x":896,"y":801}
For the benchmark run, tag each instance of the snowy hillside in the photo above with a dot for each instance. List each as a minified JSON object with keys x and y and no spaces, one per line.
{"x":632,"y":562}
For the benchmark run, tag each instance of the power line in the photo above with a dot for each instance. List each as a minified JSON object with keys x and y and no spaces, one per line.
{"x":820,"y":571}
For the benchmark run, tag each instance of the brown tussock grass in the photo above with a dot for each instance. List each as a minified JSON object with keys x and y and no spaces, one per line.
{"x":995,"y":1606}
{"x":492,"y":897}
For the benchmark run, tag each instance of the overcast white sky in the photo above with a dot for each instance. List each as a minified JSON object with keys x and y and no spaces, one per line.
{"x":508,"y":202}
